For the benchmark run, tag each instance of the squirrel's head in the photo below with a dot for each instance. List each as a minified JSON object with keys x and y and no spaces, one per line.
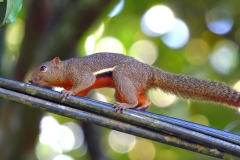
{"x":48,"y":73}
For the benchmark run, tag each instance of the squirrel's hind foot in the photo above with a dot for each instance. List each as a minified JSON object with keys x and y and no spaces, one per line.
{"x":120,"y":107}
{"x":142,"y":108}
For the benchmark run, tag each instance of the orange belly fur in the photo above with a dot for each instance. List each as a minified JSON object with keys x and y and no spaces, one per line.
{"x":99,"y":83}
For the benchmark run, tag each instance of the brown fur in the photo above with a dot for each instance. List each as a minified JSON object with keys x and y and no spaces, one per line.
{"x":130,"y":78}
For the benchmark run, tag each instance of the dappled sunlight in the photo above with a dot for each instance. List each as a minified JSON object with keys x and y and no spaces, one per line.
{"x":57,"y":137}
{"x":161,"y":28}
{"x":99,"y":96}
{"x":237,"y":86}
{"x":157,"y":20}
{"x":77,"y":133}
{"x":199,"y":39}
{"x":109,"y":44}
{"x":90,"y":44}
{"x":219,"y":20}
{"x":63,"y":157}
{"x":59,"y":89}
{"x":66,"y":139}
{"x":145,"y":51}
{"x":45,"y":152}
{"x":121,"y":142}
{"x":161,"y":99}
{"x":177,"y":36}
{"x":104,"y":94}
{"x":91,"y":39}
{"x":50,"y":130}
{"x":224,"y":57}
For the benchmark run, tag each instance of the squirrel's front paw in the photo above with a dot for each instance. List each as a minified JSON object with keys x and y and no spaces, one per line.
{"x":65,"y":94}
{"x":120,"y":107}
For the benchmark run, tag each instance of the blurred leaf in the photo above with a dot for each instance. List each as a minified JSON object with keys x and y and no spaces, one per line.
{"x":11,"y":8}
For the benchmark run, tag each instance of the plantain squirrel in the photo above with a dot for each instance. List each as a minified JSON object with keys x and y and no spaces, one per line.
{"x":130,"y":78}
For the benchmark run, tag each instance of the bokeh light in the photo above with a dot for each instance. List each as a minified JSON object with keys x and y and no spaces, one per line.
{"x":145,"y":51}
{"x":237,"y":86}
{"x":90,"y":44}
{"x":109,"y":44}
{"x":99,"y":96}
{"x":157,"y":20}
{"x":66,"y":139}
{"x":225,"y":56}
{"x":98,"y":33}
{"x":50,"y":130}
{"x":59,"y":138}
{"x":197,"y":51}
{"x":143,"y":150}
{"x":63,"y":157}
{"x":14,"y":34}
{"x":117,"y":9}
{"x":177,"y":36}
{"x":200,"y":119}
{"x":91,"y":39}
{"x":233,"y":126}
{"x":161,"y":99}
{"x":77,"y":133}
{"x":201,"y":39}
{"x":45,"y":152}
{"x":121,"y":142}
{"x":219,"y":20}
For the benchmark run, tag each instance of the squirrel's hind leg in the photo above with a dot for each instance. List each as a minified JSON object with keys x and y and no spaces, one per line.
{"x":125,"y":95}
{"x":143,"y":103}
{"x":130,"y":93}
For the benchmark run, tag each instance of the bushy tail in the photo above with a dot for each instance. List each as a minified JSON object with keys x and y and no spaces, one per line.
{"x":194,"y":88}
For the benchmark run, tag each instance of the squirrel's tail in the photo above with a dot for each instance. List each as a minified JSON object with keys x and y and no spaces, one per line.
{"x":194,"y":88}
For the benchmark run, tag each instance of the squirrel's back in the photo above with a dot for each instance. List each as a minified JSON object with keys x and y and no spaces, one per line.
{"x":101,"y":60}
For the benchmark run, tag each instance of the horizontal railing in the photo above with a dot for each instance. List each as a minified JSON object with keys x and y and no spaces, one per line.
{"x":164,"y":129}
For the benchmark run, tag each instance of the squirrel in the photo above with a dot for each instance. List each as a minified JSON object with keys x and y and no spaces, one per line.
{"x":130,"y":78}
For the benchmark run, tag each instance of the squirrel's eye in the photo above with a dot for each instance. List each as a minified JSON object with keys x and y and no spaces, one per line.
{"x":43,"y":69}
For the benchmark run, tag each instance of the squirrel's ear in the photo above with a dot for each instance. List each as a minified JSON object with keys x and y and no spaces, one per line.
{"x":56,"y":61}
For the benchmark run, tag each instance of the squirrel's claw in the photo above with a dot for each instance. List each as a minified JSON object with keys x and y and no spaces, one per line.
{"x":120,"y":107}
{"x":65,"y":94}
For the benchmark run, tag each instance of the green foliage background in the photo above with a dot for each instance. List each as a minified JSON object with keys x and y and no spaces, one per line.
{"x":44,"y":30}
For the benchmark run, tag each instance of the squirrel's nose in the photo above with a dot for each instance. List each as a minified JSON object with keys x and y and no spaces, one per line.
{"x":30,"y":80}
